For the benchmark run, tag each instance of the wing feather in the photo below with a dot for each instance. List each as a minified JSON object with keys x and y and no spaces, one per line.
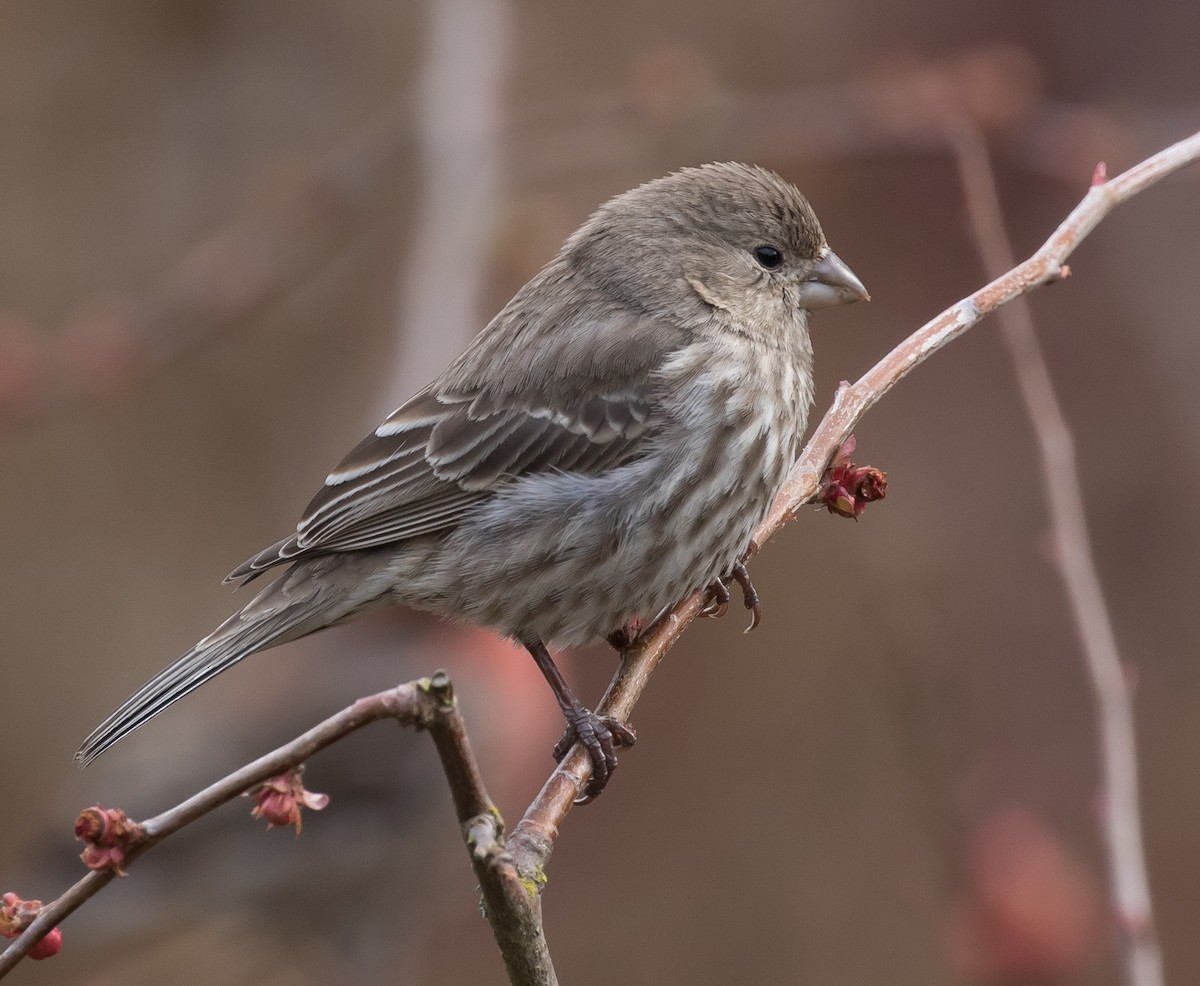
{"x":475,"y":430}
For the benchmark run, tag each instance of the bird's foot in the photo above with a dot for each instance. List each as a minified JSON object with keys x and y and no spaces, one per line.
{"x":599,"y":736}
{"x":741,"y":576}
{"x":716,"y":597}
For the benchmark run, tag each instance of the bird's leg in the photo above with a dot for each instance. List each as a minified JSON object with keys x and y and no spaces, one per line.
{"x":599,"y":735}
{"x":716,"y":599}
{"x":749,"y":594}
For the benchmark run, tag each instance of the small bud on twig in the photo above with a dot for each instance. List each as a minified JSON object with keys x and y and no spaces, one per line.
{"x":280,"y":799}
{"x":847,"y":488}
{"x":108,"y":834}
{"x":16,"y":915}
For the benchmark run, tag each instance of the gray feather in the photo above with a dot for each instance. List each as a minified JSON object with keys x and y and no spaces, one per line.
{"x":288,"y":608}
{"x":586,"y":404}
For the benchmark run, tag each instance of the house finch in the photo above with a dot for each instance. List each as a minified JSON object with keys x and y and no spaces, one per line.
{"x":606,"y":445}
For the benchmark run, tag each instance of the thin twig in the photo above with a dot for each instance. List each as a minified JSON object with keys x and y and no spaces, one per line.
{"x":1121,"y":818}
{"x":426,"y":704}
{"x":533,"y":838}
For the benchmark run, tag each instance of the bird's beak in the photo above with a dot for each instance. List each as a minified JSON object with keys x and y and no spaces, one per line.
{"x":831,"y":282}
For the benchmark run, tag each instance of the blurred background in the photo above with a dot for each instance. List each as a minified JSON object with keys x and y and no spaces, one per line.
{"x":234,"y":234}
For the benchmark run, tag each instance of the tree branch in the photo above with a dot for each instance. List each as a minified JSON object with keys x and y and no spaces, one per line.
{"x":425,"y":704}
{"x":513,"y":904}
{"x":533,"y":839}
{"x":1121,"y":818}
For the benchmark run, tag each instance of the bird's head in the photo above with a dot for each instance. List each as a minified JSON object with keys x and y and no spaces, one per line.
{"x":728,"y":239}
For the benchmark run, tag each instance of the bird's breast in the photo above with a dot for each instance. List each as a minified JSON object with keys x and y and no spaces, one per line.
{"x":571,"y":557}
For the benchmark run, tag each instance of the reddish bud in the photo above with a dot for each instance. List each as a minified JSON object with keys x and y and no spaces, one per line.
{"x":108,"y":835}
{"x":1100,"y":175}
{"x":280,"y":799}
{"x":48,"y":946}
{"x":16,"y":915}
{"x":104,"y":858}
{"x":869,"y":484}
{"x":841,"y":501}
{"x":846,"y":488}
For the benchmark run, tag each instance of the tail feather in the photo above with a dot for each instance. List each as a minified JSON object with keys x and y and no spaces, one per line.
{"x":242,"y":635}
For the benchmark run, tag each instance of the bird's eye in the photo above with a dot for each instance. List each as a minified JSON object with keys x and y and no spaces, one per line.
{"x":768,"y":256}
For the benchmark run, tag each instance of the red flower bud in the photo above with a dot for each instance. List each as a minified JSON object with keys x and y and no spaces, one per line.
{"x":108,"y":834}
{"x":846,"y":489}
{"x":280,"y":799}
{"x":16,"y":915}
{"x":48,"y":946}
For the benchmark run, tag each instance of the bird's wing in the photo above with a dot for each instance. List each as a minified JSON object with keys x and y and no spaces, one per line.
{"x":464,"y":437}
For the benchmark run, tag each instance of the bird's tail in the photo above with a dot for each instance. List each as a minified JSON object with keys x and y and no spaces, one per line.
{"x":276,"y":615}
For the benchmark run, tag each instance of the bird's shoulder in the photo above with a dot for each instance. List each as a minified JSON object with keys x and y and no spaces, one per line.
{"x":561,"y":340}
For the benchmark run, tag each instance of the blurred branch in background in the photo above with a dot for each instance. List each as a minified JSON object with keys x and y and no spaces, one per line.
{"x":1120,"y":803}
{"x":458,"y":132}
{"x":219,"y":286}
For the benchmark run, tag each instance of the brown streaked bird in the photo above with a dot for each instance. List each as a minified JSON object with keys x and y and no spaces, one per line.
{"x":606,"y":445}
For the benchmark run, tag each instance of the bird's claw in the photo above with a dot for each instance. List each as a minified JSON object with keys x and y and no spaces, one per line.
{"x":716,"y":599}
{"x":749,"y":593}
{"x":600,"y":736}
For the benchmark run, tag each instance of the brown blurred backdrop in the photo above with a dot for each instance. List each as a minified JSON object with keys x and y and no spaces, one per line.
{"x":233,"y":234}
